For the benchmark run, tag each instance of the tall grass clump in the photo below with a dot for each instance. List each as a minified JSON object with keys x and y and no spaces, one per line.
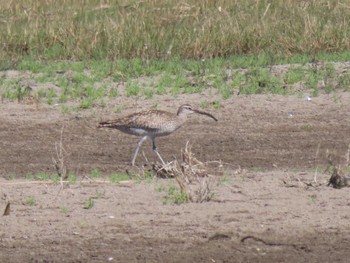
{"x":91,"y":29}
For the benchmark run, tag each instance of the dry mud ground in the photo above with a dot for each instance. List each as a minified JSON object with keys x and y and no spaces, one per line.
{"x":269,"y":210}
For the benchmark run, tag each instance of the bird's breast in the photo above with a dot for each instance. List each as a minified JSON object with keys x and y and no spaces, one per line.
{"x":167,"y":128}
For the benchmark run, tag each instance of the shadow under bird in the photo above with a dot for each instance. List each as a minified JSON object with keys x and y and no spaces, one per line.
{"x":152,"y":124}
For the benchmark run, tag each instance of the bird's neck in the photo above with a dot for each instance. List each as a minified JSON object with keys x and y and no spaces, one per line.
{"x":182,"y":116}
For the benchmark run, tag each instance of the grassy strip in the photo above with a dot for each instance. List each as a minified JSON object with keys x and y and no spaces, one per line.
{"x":93,"y":83}
{"x":80,"y":30}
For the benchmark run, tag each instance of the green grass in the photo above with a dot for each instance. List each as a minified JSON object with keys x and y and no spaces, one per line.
{"x":119,"y":177}
{"x":160,"y":188}
{"x":95,"y":173}
{"x":313,"y":199}
{"x":64,"y":210}
{"x":11,"y":176}
{"x":65,"y":109}
{"x":204,"y":104}
{"x":226,"y":180}
{"x":259,"y":80}
{"x":89,"y":87}
{"x":72,"y":178}
{"x":89,"y":203}
{"x":295,"y":74}
{"x":344,"y":82}
{"x":175,"y":196}
{"x":149,"y":176}
{"x":88,"y":53}
{"x":132,"y":88}
{"x":100,"y":194}
{"x":30,"y":200}
{"x":216,"y":104}
{"x":42,"y":176}
{"x":347,"y":169}
{"x":12,"y":90}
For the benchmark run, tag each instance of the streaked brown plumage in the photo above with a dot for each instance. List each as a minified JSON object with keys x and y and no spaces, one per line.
{"x":152,"y":124}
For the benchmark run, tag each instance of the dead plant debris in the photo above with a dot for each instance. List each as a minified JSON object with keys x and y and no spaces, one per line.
{"x":338,"y":179}
{"x":191,"y":174}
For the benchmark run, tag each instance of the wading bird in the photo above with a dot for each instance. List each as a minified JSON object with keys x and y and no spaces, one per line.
{"x":152,"y":124}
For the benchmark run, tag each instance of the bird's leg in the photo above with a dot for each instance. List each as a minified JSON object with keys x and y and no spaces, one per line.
{"x":137,"y":149}
{"x":156,"y":151}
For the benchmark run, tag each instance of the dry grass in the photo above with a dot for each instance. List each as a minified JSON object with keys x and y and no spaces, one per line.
{"x":47,"y":29}
{"x":192,"y":176}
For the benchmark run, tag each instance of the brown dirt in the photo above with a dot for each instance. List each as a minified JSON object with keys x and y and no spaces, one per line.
{"x":270,"y":210}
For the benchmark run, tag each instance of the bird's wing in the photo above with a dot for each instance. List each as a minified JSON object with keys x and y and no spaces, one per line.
{"x":148,"y":119}
{"x":145,"y":120}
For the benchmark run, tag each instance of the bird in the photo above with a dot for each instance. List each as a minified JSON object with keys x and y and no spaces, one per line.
{"x":152,"y":124}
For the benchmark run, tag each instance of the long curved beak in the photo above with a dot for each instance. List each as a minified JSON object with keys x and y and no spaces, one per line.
{"x":205,"y":113}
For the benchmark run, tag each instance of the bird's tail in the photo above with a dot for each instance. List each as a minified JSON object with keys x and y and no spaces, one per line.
{"x":106,"y":124}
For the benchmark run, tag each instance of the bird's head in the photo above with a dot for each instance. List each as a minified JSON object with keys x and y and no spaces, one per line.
{"x":188,"y":109}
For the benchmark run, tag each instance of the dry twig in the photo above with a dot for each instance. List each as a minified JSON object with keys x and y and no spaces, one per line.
{"x":59,"y":161}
